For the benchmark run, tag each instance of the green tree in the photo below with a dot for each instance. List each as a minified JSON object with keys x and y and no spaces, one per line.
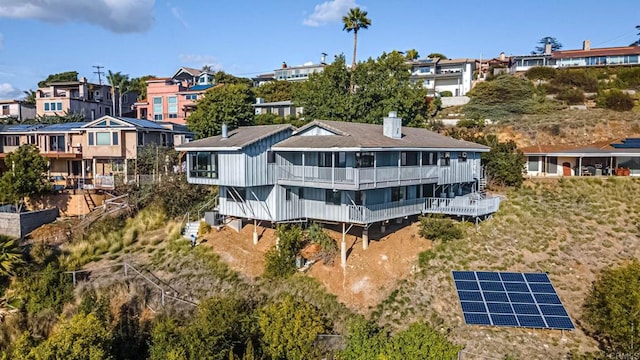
{"x":166,"y":341}
{"x":637,"y":42}
{"x":364,"y":340}
{"x":25,"y":175}
{"x":541,"y":73}
{"x":49,"y":289}
{"x":230,"y":104}
{"x":10,"y":255}
{"x":30,"y":97}
{"x":139,"y":85}
{"x":83,"y":337}
{"x":612,"y":309}
{"x":114,"y":79}
{"x":412,"y":54}
{"x":222,"y":77}
{"x":63,"y":76}
{"x":437,"y":55}
{"x":355,"y":20}
{"x":123,"y":87}
{"x":615,"y":99}
{"x":278,"y":90}
{"x":289,"y":327}
{"x":280,"y":261}
{"x":504,"y":163}
{"x":420,"y":341}
{"x":555,"y":45}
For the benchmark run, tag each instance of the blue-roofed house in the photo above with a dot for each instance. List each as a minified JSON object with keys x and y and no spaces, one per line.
{"x":173,"y":99}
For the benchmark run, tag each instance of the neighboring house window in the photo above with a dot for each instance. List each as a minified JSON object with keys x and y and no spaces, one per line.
{"x":31,"y":139}
{"x":103,"y":138}
{"x":332,"y":197}
{"x":397,"y":193}
{"x":446,"y":159}
{"x":172,"y":103}
{"x":56,"y":143}
{"x":287,"y":194}
{"x":191,"y":96}
{"x":409,"y":158}
{"x":204,"y":164}
{"x":5,"y":109}
{"x":163,"y":139}
{"x":427,"y":190}
{"x":107,"y":110}
{"x":236,"y":194}
{"x":140,"y":139}
{"x":157,"y":108}
{"x":429,"y":158}
{"x":11,"y":140}
{"x":117,"y":165}
{"x":533,"y":164}
{"x":53,"y":106}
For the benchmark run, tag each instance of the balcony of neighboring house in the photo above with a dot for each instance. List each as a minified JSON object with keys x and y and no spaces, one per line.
{"x":56,"y":146}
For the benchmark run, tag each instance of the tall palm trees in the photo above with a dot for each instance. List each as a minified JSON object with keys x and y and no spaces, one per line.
{"x":121,"y":82}
{"x":355,"y":20}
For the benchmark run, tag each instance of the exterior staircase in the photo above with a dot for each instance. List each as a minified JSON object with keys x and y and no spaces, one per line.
{"x":191,"y":228}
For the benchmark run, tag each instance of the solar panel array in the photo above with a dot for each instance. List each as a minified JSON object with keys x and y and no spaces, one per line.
{"x":510,"y":299}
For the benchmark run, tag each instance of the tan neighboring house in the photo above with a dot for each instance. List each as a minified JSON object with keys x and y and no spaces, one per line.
{"x":17,"y":109}
{"x":79,"y":97}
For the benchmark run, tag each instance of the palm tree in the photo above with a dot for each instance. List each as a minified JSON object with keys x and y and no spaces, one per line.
{"x":355,"y":20}
{"x":30,"y":97}
{"x":10,"y":255}
{"x":114,"y":79}
{"x":124,"y":86}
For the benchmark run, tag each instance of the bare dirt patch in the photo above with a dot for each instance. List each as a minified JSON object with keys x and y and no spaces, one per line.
{"x":370,"y":274}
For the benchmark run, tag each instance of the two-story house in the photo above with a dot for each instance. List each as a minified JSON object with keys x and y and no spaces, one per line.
{"x":17,"y":109}
{"x":79,"y":97}
{"x":340,"y":172}
{"x":107,"y":146}
{"x":297,"y":73}
{"x":437,"y":75}
{"x":174,"y":98}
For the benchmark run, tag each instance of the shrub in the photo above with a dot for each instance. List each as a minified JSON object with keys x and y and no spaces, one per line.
{"x":280,"y":261}
{"x":612,"y":308}
{"x":615,"y":100}
{"x":586,"y":80}
{"x":48,"y":290}
{"x":541,"y":73}
{"x":630,"y":77}
{"x":425,"y":257}
{"x":328,"y":246}
{"x":573,"y":96}
{"x":470,"y":123}
{"x":446,"y":93}
{"x":437,"y":227}
{"x":204,"y":228}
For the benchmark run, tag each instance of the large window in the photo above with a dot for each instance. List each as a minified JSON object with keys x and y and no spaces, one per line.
{"x":324,"y":159}
{"x":429,"y":158}
{"x":340,"y":159}
{"x":157,"y":108}
{"x":103,"y":138}
{"x":397,"y":193}
{"x":332,"y":197}
{"x":409,"y":158}
{"x":364,"y":159}
{"x":11,"y":140}
{"x":204,"y":164}
{"x":56,"y":143}
{"x":5,"y":109}
{"x":172,"y":103}
{"x":192,"y":97}
{"x":236,"y":194}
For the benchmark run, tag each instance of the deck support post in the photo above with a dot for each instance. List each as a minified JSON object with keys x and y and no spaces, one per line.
{"x":365,"y":238}
{"x":579,"y":171}
{"x":383,"y":228}
{"x":343,"y":247}
{"x":255,"y":232}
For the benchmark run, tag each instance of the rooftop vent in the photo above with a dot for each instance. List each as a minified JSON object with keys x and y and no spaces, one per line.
{"x":224,"y":131}
{"x":392,"y":126}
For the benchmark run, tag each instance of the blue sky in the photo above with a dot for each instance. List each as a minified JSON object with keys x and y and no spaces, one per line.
{"x":247,"y":37}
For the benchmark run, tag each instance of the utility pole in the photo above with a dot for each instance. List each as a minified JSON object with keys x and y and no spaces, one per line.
{"x":98,"y":67}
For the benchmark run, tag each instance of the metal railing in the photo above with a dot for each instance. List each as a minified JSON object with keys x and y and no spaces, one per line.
{"x":355,"y":176}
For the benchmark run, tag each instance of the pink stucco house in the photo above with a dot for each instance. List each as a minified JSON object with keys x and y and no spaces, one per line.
{"x":173,"y":99}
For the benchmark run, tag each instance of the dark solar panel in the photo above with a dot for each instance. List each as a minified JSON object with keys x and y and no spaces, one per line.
{"x":510,"y":299}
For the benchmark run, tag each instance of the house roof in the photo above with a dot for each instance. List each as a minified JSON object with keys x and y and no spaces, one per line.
{"x":610,"y":51}
{"x":200,"y":87}
{"x":139,"y":123}
{"x":456,"y":61}
{"x":62,"y":127}
{"x":20,"y":128}
{"x":274,"y":103}
{"x":603,"y":148}
{"x":237,"y":138}
{"x":370,"y":136}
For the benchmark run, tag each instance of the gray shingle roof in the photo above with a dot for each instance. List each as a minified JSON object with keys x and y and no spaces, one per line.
{"x":359,"y":135}
{"x":237,"y":138}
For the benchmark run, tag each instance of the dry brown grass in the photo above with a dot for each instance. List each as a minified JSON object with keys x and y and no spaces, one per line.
{"x":569,"y":228}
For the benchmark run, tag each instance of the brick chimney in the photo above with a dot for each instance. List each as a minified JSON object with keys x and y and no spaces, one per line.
{"x":502,"y":56}
{"x":586,"y":45}
{"x":547,"y":48}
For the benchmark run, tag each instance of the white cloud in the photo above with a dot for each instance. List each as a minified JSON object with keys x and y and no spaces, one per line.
{"x":7,"y":91}
{"x":329,"y":11}
{"x":200,"y":60}
{"x":119,"y":16}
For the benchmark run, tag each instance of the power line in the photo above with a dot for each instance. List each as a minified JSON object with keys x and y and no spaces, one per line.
{"x":616,"y":38}
{"x":99,"y":73}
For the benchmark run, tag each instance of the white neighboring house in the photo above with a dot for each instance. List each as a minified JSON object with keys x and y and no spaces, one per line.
{"x":280,"y":108}
{"x":437,"y":75}
{"x":17,"y":109}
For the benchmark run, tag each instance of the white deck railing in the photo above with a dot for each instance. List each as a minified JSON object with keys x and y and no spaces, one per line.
{"x":355,"y":176}
{"x":458,"y":206}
